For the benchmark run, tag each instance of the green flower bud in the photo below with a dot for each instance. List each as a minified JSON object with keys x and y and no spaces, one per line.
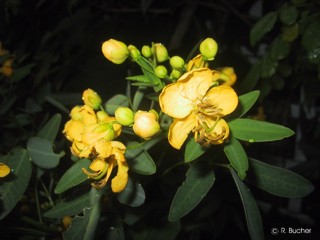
{"x":102,"y":115}
{"x":134,"y":52}
{"x":124,"y":116}
{"x":161,"y":71}
{"x":175,"y":74}
{"x":115,"y":51}
{"x":208,"y":49}
{"x":91,"y":99}
{"x":146,"y":51}
{"x":161,"y":53}
{"x":176,"y":62}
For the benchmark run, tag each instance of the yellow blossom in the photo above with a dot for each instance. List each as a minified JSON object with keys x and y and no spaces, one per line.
{"x":115,"y":51}
{"x":198,"y":106}
{"x":91,"y":99}
{"x":228,"y":76}
{"x":6,"y":68}
{"x":4,"y":170}
{"x":196,"y":62}
{"x":146,"y":124}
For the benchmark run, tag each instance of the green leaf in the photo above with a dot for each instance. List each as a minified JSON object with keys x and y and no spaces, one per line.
{"x":263,"y":26}
{"x":133,"y":195}
{"x":310,"y":41}
{"x":251,"y":209}
{"x":139,"y":160}
{"x":115,"y":102}
{"x":73,"y":176}
{"x":268,"y":66}
{"x":237,"y":157}
{"x":50,"y":129}
{"x":138,"y":78}
{"x":258,"y":131}
{"x":251,"y":79}
{"x":246,"y":101}
{"x":143,"y":84}
{"x":22,"y":72}
{"x":199,"y":180}
{"x":289,"y":15}
{"x":193,"y":150}
{"x":41,"y":153}
{"x":279,"y":49}
{"x":70,"y":207}
{"x":138,"y":96}
{"x":14,"y":185}
{"x":278,"y":181}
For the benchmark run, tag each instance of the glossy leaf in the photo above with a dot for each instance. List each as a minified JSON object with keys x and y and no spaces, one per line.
{"x":42,"y":154}
{"x":115,"y":102}
{"x":70,"y":207}
{"x":279,"y":49}
{"x":278,"y":181}
{"x":14,"y":185}
{"x":246,"y":101}
{"x":268,"y":66}
{"x":50,"y":129}
{"x":251,"y":79}
{"x":133,"y":195}
{"x":251,"y":209}
{"x":258,"y":131}
{"x":289,"y":15}
{"x":73,"y":176}
{"x":310,"y":41}
{"x":139,"y":160}
{"x":193,"y":150}
{"x":263,"y":26}
{"x":237,"y":157}
{"x":199,"y":180}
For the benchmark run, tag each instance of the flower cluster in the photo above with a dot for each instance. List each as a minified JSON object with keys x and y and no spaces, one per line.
{"x":92,"y":134}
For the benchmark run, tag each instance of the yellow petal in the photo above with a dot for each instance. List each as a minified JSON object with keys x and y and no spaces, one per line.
{"x":4,"y":170}
{"x":224,"y":98}
{"x":180,"y":129}
{"x":103,"y":148}
{"x":218,"y":131}
{"x":73,"y":130}
{"x":120,"y":181}
{"x":177,"y":99}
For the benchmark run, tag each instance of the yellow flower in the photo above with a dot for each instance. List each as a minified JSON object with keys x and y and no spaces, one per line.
{"x":91,"y":99}
{"x":6,"y":69}
{"x":196,"y":62}
{"x":109,"y":155}
{"x":4,"y":170}
{"x":146,"y":124}
{"x":197,"y":106}
{"x":228,"y":76}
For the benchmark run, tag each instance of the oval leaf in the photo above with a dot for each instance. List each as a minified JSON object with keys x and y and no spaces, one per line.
{"x":50,"y":129}
{"x":237,"y":157}
{"x":199,"y":180}
{"x":115,"y":102}
{"x":193,"y":150}
{"x":14,"y":185}
{"x":264,"y":25}
{"x":278,"y":181}
{"x":258,"y":131}
{"x":133,"y":195}
{"x":41,"y":153}
{"x":73,"y":176}
{"x":251,"y":209}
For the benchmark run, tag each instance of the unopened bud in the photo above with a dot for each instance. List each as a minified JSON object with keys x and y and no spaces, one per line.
{"x":177,"y":62}
{"x":161,"y":71}
{"x":161,"y":53}
{"x":134,"y":52}
{"x":146,"y":124}
{"x":208,"y":49}
{"x":91,"y":99}
{"x":175,"y":74}
{"x":124,"y":116}
{"x":146,"y":51}
{"x":115,"y":51}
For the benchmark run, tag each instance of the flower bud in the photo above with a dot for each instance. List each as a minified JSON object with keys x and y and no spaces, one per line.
{"x":161,"y":71}
{"x":102,"y":116}
{"x":124,"y":116}
{"x":146,"y":51}
{"x":146,"y":124}
{"x":115,"y":51}
{"x":176,"y":62}
{"x":161,"y":53}
{"x":91,"y":99}
{"x":175,"y":74}
{"x":208,"y":49}
{"x":134,"y":52}
{"x":4,"y":170}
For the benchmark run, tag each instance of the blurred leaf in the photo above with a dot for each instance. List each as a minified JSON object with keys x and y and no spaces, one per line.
{"x":70,"y":207}
{"x":310,"y":41}
{"x":263,"y":26}
{"x":116,"y":101}
{"x":6,"y":104}
{"x":138,"y":97}
{"x":289,"y":15}
{"x":237,"y":157}
{"x":268,"y":66}
{"x":41,"y":153}
{"x":279,"y":49}
{"x":258,"y":131}
{"x":73,"y":176}
{"x":32,"y":106}
{"x":251,"y":79}
{"x":246,"y":101}
{"x":251,"y":209}
{"x":278,"y":181}
{"x":163,"y":230}
{"x":199,"y":180}
{"x":14,"y":185}
{"x":50,"y":129}
{"x":139,"y":160}
{"x":290,"y":33}
{"x":133,"y":195}
{"x":193,"y":150}
{"x":57,"y":104}
{"x":22,"y":72}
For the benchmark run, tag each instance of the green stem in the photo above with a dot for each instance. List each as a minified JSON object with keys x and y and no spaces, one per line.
{"x":95,"y":199}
